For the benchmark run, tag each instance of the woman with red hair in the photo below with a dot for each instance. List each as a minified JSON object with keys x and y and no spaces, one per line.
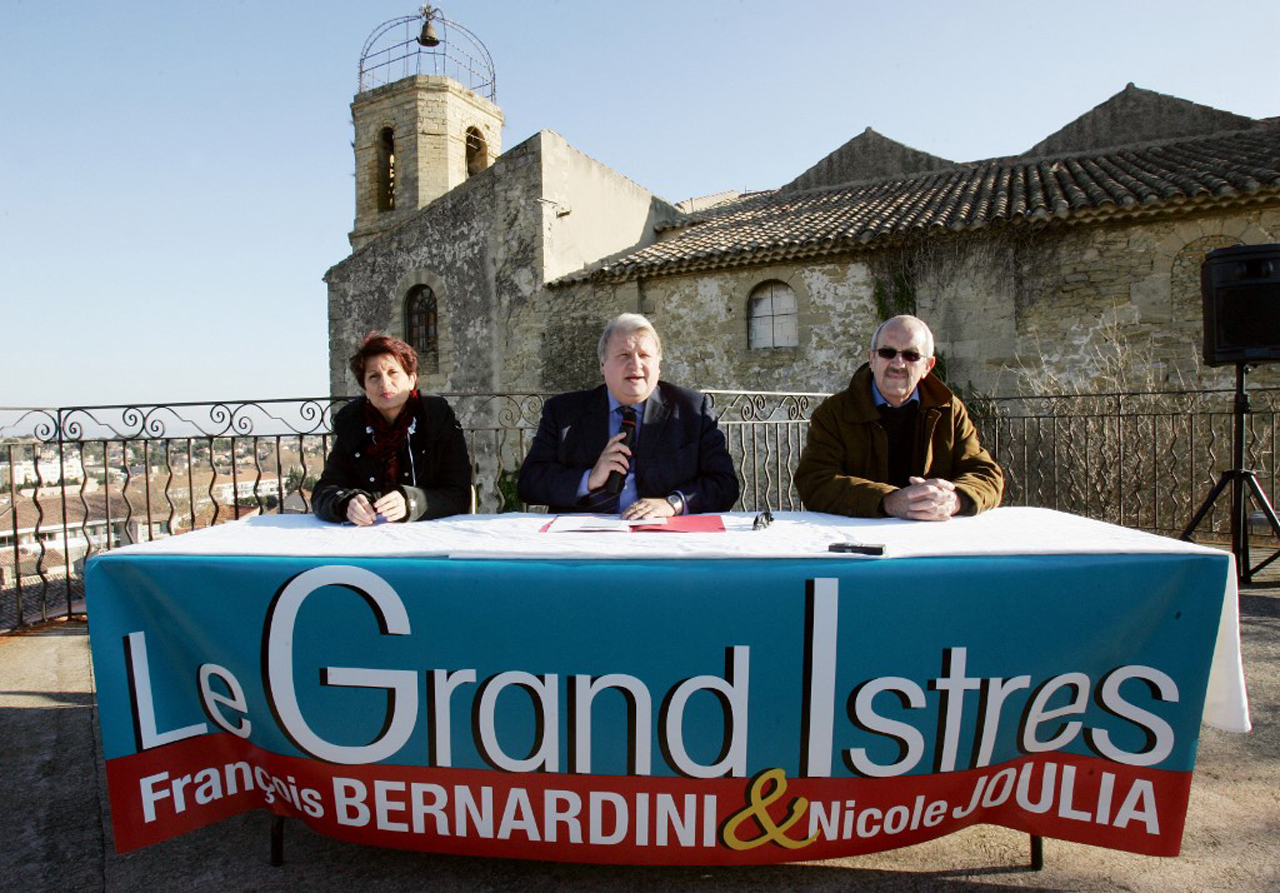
{"x":398,"y":455}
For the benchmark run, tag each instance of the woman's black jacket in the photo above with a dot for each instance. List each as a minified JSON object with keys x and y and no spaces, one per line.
{"x":435,"y":471}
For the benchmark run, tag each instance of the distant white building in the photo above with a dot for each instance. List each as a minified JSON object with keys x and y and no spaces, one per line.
{"x":44,"y":470}
{"x":246,"y":489}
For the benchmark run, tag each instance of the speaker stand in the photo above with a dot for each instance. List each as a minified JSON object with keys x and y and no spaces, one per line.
{"x":1242,"y":482}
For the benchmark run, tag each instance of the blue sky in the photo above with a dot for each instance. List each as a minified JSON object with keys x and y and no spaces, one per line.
{"x":176,"y":176}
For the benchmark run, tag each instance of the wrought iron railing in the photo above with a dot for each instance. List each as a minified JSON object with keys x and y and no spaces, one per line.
{"x":766,"y":431}
{"x":81,"y":480}
{"x":1141,"y":460}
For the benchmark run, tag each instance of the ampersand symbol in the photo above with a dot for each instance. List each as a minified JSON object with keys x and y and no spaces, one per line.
{"x":758,"y":803}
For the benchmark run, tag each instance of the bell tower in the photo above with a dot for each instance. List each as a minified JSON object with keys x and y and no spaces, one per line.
{"x":425,"y":118}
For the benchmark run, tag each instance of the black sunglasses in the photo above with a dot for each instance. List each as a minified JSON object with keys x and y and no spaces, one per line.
{"x":888,"y":353}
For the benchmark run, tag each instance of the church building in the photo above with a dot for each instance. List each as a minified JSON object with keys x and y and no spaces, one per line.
{"x":1075,"y":263}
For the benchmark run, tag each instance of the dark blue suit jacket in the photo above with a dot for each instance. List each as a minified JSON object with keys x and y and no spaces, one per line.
{"x":680,"y":447}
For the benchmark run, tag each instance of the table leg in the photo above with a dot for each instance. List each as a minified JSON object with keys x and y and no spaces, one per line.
{"x":1037,"y":852}
{"x":277,"y":840}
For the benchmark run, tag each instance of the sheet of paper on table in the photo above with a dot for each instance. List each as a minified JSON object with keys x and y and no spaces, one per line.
{"x":594,"y":524}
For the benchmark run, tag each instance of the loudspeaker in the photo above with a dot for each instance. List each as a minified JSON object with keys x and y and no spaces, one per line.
{"x":1240,"y":292}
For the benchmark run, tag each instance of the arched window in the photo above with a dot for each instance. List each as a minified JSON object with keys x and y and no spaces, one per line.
{"x":387,"y":170}
{"x":477,"y":151}
{"x":421,"y":329}
{"x":771,"y":316}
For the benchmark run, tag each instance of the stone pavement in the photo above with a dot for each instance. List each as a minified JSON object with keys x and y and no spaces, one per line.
{"x":55,"y":829}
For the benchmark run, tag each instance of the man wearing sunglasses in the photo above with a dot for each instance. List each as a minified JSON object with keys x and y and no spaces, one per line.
{"x":897,"y":442}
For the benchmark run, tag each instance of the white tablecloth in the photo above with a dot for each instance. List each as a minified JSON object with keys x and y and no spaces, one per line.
{"x":1004,"y":531}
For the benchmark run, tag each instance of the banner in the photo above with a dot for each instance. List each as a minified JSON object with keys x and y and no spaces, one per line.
{"x":659,"y":712}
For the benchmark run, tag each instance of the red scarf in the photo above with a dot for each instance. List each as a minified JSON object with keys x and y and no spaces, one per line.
{"x":388,"y":437}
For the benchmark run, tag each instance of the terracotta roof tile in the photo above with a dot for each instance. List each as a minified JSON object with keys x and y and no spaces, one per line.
{"x":767,"y":227}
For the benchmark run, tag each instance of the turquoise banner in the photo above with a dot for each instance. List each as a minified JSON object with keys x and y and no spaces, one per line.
{"x":724,"y":679}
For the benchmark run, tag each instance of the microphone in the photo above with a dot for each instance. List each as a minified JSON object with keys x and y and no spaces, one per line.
{"x":613,"y":485}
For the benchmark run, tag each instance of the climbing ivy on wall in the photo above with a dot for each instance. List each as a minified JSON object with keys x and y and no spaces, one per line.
{"x":895,"y":295}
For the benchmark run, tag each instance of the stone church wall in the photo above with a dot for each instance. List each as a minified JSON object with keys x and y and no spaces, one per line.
{"x":486,"y":249}
{"x":1058,"y":308}
{"x":703,"y":321}
{"x":477,"y":248}
{"x":589,"y":212}
{"x":1112,"y":306}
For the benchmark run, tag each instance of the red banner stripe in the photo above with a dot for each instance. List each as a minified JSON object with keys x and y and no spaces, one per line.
{"x":170,"y":790}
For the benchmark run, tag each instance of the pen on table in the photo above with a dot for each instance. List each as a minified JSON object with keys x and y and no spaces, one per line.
{"x":857,"y":548}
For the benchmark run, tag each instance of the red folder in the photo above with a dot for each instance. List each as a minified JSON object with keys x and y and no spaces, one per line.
{"x":685,"y":524}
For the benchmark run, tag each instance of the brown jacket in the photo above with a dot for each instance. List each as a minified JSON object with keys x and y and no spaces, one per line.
{"x":846,"y":457}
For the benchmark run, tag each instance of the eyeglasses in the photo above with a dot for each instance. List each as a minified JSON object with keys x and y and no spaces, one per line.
{"x":888,"y":353}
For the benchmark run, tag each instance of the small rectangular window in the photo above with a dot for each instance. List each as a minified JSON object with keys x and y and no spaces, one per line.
{"x":772,"y":316}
